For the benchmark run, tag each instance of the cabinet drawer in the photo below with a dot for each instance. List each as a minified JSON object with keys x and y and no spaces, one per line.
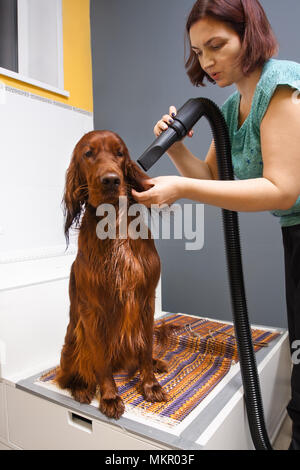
{"x":35,"y":423}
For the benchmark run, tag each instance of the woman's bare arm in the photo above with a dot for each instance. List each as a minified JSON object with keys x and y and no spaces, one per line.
{"x":192,"y":167}
{"x":279,"y":186}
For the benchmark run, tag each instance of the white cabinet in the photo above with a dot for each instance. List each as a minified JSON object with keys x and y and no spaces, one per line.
{"x":35,"y":423}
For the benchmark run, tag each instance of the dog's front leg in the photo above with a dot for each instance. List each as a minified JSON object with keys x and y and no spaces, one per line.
{"x":111,"y":404}
{"x":150,"y":387}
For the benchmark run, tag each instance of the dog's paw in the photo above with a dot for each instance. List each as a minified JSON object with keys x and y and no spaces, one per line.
{"x":160,"y":366}
{"x":83,"y":395}
{"x":112,"y":407}
{"x":154,"y":392}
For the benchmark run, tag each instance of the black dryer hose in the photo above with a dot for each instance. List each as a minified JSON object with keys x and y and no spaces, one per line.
{"x":185,"y":119}
{"x":243,"y":334}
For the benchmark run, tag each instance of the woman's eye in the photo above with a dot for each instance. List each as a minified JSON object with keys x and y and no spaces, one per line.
{"x":88,"y":154}
{"x":215,"y":48}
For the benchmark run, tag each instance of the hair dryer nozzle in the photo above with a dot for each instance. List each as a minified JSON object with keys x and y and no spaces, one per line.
{"x":185,"y":119}
{"x":157,"y":149}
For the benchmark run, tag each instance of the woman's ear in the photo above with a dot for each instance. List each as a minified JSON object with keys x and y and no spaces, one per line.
{"x":75,"y":195}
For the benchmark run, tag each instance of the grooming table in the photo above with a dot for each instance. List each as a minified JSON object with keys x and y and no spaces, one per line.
{"x":42,"y":414}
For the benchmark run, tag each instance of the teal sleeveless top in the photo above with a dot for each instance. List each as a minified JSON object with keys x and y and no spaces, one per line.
{"x":245,"y":142}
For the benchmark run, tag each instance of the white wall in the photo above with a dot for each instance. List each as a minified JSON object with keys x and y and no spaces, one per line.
{"x":37,"y":140}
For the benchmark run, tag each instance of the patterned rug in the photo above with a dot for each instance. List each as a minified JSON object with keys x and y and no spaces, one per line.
{"x":199,"y":354}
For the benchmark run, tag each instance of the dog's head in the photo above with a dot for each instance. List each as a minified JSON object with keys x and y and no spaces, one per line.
{"x":100,"y":171}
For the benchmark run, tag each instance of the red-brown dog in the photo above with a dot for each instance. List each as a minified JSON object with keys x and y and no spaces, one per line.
{"x":112,"y":281}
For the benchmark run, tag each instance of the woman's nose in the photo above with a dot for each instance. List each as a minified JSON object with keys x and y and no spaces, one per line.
{"x":207,"y":62}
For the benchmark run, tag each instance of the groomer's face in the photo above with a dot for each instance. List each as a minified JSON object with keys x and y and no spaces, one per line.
{"x":217,"y":47}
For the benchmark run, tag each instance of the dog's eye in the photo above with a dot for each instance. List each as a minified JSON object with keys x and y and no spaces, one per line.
{"x":88,"y":154}
{"x":120,"y":153}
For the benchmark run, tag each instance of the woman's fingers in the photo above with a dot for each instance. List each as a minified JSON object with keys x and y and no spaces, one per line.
{"x":162,"y":125}
{"x":159,"y":127}
{"x":165,"y":121}
{"x":172,"y":111}
{"x":142,"y":198}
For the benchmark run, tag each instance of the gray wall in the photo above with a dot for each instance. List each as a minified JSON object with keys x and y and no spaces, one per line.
{"x":138,"y":71}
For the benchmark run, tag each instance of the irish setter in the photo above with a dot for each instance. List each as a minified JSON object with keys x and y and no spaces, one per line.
{"x":112,"y":281}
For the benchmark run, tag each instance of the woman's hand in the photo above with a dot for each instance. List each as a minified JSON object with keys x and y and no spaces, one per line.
{"x":163,"y":124}
{"x":164,"y":190}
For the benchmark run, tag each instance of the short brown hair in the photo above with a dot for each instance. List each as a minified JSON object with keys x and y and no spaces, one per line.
{"x":248,"y":19}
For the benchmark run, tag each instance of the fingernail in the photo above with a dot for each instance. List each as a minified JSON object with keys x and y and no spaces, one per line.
{"x":173,"y":114}
{"x":171,"y":121}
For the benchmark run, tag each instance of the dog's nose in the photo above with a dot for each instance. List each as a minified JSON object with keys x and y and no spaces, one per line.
{"x":110,"y":180}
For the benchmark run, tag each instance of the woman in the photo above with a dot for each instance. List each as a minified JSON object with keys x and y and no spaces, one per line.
{"x":232,"y":42}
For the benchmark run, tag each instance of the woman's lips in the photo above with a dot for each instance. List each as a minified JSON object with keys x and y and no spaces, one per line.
{"x":216,"y":76}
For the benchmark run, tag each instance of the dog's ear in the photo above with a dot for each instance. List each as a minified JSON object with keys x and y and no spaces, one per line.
{"x":75,"y":195}
{"x":135,"y":177}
